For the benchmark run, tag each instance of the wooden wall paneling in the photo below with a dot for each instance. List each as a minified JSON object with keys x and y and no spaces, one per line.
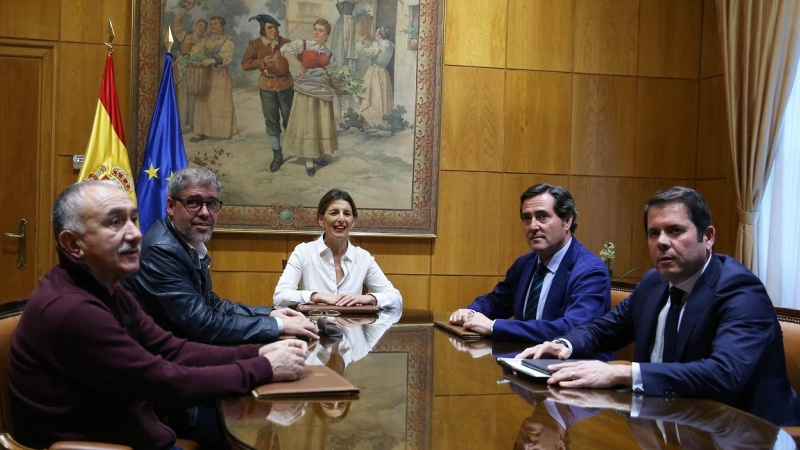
{"x":513,"y":243}
{"x":475,"y":33}
{"x":469,"y":215}
{"x":603,"y":125}
{"x":252,"y":288}
{"x":248,"y":252}
{"x":537,"y":122}
{"x":723,"y":212}
{"x":293,"y":240}
{"x":666,"y":128}
{"x":606,"y":36}
{"x":605,"y":213}
{"x":415,"y":290}
{"x":449,"y":293}
{"x":80,"y":75}
{"x":475,"y":427}
{"x":646,"y":188}
{"x":87,"y":20}
{"x":711,"y":60}
{"x":400,"y":255}
{"x":472,"y":371}
{"x":29,"y":19}
{"x":472,"y":119}
{"x":713,"y":141}
{"x":669,"y":38}
{"x":540,"y":34}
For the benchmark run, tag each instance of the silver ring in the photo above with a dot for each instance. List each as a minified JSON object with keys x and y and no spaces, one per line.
{"x":573,"y":376}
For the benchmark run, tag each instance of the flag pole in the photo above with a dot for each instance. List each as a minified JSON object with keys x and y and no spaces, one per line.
{"x":110,"y":36}
{"x":168,"y":41}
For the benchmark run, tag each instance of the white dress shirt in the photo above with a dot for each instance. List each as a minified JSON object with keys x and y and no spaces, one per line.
{"x":311,"y":268}
{"x":656,"y":353}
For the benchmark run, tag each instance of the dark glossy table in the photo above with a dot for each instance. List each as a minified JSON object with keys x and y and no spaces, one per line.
{"x":422,"y":388}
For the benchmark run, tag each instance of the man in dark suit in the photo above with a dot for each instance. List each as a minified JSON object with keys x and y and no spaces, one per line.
{"x":716,"y":336}
{"x":549,"y":291}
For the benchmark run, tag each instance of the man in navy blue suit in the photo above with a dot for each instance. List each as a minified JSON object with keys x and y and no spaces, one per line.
{"x":549,"y":291}
{"x":703,"y":325}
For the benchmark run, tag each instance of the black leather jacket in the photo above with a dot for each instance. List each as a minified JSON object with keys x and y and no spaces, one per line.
{"x":174,"y":287}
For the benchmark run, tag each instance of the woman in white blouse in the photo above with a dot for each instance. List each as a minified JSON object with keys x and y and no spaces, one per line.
{"x":331,"y":270}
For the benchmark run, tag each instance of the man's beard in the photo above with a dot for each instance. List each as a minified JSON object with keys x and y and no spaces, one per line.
{"x":193,"y":237}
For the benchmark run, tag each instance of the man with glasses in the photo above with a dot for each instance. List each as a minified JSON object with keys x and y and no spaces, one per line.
{"x":174,"y":280}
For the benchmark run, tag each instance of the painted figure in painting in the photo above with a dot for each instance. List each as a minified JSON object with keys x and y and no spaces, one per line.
{"x":187,"y":41}
{"x":376,"y":100}
{"x":311,"y":133}
{"x":214,"y":114}
{"x":343,"y":40}
{"x":275,"y":82}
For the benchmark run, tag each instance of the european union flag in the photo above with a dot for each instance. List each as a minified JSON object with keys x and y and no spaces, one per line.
{"x":164,"y":154}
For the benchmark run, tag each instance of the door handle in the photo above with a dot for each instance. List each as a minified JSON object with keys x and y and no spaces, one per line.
{"x":22,"y":242}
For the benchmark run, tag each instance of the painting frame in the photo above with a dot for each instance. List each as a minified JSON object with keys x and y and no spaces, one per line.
{"x":419,"y":219}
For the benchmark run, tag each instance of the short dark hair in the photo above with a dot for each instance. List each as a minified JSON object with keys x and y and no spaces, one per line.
{"x":564,"y":204}
{"x":192,"y":176}
{"x":696,"y":207}
{"x":333,"y":195}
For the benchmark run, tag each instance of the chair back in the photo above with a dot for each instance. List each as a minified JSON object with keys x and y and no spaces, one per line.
{"x":621,"y":290}
{"x":9,"y":317}
{"x":790,"y":326}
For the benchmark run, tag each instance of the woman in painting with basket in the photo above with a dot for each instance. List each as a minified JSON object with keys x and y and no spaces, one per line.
{"x":311,"y":133}
{"x":214,"y":114}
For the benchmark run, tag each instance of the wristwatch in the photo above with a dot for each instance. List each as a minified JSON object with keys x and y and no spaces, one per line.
{"x":561,"y":341}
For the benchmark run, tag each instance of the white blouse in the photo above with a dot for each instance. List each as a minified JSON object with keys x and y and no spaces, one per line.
{"x":311,"y":269}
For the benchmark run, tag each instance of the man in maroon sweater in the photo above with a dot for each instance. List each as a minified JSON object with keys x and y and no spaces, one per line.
{"x":87,"y":364}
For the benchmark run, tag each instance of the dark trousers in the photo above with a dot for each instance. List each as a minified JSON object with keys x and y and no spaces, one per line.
{"x":276,"y":107}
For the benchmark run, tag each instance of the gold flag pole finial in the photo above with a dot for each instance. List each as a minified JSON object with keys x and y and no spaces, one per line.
{"x":110,"y":34}
{"x":168,"y":41}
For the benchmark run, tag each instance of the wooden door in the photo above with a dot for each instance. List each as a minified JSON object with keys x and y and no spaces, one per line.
{"x":25,"y":165}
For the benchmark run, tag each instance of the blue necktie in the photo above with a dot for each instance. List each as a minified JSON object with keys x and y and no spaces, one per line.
{"x":671,"y":325}
{"x":532,"y":304}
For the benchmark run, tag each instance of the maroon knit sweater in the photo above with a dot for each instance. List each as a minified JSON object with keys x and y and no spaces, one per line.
{"x":87,"y":364}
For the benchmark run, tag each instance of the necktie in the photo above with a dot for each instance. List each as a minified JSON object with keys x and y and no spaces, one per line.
{"x":671,"y":325}
{"x":532,"y":303}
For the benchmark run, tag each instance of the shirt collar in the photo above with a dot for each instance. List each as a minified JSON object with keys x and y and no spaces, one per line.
{"x":555,"y":261}
{"x":199,"y":249}
{"x":688,"y":284}
{"x":321,"y":248}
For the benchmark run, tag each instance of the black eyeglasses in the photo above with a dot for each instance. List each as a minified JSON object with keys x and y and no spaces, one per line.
{"x":195,"y":204}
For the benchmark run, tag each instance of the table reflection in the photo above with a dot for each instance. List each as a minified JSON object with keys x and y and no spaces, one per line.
{"x":651,"y":422}
{"x":422,"y":388}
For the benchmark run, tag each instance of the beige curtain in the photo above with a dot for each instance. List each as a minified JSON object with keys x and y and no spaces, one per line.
{"x":760,"y":48}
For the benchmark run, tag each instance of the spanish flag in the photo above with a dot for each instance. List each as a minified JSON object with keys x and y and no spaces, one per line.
{"x":106,"y":155}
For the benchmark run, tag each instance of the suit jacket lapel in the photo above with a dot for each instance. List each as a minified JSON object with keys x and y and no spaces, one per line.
{"x":649,"y":320}
{"x":697,"y":303}
{"x":559,"y":285}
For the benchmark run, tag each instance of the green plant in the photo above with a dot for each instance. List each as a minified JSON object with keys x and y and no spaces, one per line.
{"x":411,"y":30}
{"x":343,"y":82}
{"x":607,"y":255}
{"x":351,"y":119}
{"x":190,"y":60}
{"x":395,"y":121}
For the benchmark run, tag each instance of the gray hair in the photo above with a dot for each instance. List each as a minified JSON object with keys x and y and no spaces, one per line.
{"x":192,"y":176}
{"x":70,"y":206}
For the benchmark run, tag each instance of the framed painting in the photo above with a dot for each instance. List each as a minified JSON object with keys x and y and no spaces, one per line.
{"x":287,"y":99}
